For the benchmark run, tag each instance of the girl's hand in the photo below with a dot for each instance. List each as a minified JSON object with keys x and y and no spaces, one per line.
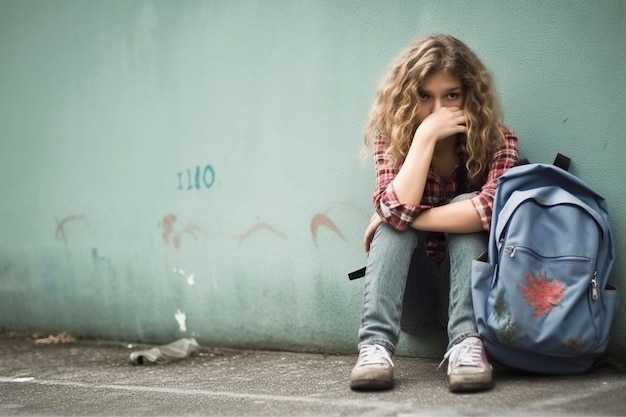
{"x":443,"y":123}
{"x":375,"y":221}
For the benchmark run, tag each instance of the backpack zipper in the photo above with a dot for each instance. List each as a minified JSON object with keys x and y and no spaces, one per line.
{"x":594,"y":279}
{"x":594,"y":286}
{"x":512,"y":249}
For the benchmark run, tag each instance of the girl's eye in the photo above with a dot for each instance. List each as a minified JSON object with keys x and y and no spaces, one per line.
{"x":423,"y":97}
{"x":453,"y":96}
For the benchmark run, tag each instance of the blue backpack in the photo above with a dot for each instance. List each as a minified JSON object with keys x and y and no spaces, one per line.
{"x":541,"y":296}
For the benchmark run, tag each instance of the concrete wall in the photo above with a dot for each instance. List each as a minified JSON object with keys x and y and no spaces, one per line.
{"x":191,"y":168}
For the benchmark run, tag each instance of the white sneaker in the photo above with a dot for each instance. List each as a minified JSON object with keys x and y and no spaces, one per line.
{"x":373,"y":369}
{"x":468,"y":368}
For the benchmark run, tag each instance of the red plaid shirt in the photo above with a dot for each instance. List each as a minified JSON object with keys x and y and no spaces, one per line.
{"x":438,"y":192}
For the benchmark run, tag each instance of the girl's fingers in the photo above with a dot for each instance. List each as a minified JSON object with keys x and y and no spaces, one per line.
{"x":369,"y":232}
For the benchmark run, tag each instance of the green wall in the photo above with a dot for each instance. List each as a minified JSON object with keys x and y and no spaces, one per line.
{"x":200,"y":159}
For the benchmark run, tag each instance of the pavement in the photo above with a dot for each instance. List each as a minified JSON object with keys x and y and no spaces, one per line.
{"x":97,"y":378}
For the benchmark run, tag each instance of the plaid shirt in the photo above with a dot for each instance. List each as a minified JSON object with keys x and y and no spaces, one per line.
{"x":438,"y":192}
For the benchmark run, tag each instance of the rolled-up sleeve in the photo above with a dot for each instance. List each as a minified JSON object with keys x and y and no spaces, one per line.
{"x":393,"y":212}
{"x":505,"y":157}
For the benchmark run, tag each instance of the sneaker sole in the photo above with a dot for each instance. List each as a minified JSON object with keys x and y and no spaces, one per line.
{"x":371,"y":385}
{"x":468,"y":386}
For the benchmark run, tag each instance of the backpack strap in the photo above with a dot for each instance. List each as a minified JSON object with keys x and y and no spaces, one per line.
{"x":522,"y":161}
{"x":461,"y":179}
{"x":359,"y":273}
{"x":463,"y":184}
{"x":561,"y":161}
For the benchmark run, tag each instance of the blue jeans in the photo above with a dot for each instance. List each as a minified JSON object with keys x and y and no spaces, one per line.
{"x":404,"y":289}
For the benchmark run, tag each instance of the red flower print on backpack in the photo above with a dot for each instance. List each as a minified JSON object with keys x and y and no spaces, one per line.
{"x":542,"y":293}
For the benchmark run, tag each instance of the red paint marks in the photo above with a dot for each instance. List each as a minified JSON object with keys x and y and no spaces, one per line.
{"x":260,"y":227}
{"x":322,"y":220}
{"x":60,"y":231}
{"x":171,"y":235}
{"x":168,"y":227}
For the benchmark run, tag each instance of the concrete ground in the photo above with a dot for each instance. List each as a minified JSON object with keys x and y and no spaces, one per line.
{"x":89,"y":378}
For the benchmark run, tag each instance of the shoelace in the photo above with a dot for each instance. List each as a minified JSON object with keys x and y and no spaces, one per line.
{"x":374,"y":354}
{"x":464,"y":355}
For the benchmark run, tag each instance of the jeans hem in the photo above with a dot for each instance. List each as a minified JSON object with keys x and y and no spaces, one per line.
{"x":460,"y":338}
{"x":384,"y":343}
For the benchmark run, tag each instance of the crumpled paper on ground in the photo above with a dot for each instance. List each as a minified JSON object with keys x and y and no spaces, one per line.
{"x":171,"y":352}
{"x":63,"y":337}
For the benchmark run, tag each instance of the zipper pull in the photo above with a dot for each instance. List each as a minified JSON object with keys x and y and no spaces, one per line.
{"x":594,"y":286}
{"x":512,"y":254}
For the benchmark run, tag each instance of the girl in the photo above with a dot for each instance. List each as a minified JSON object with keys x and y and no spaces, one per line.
{"x":439,"y":147}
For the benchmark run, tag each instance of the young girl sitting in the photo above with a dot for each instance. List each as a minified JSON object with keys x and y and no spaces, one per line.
{"x":439,"y":146}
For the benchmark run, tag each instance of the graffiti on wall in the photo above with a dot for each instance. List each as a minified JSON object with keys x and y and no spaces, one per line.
{"x":60,"y":232}
{"x":200,"y":178}
{"x":324,"y":220}
{"x":258,"y":228}
{"x":173,"y":234}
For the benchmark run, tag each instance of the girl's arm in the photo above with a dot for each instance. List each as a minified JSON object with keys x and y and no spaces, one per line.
{"x":457,"y":217}
{"x":473,"y":214}
{"x":410,"y":181}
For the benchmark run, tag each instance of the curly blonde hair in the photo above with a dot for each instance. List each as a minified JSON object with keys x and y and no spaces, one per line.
{"x":394,"y":112}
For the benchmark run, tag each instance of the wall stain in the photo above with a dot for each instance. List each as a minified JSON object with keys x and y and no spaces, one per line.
{"x":260,"y":227}
{"x":190,"y":278}
{"x":181,"y":319}
{"x":322,"y":220}
{"x":102,"y":265}
{"x":59,"y":232}
{"x":170,"y":233}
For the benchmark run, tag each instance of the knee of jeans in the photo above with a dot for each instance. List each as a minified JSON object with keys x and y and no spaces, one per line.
{"x":391,"y":242}
{"x":389,"y":235}
{"x":470,"y":244}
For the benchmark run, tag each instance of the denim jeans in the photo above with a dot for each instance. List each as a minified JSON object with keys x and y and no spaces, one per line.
{"x":404,"y":289}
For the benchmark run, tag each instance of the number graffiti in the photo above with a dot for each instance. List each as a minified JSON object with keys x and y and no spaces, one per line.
{"x":196,"y":179}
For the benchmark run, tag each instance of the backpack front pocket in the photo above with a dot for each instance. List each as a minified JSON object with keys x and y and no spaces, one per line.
{"x":544,"y":303}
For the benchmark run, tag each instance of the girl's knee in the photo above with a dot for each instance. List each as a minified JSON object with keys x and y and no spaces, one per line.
{"x":386,"y":233}
{"x":467,"y":246}
{"x":387,"y":239}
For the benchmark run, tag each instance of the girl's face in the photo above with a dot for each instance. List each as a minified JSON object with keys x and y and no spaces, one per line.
{"x":439,"y":90}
